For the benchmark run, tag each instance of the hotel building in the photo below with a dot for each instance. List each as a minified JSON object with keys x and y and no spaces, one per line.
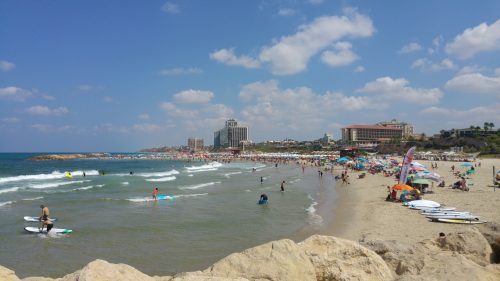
{"x":370,"y":133}
{"x":195,"y":144}
{"x":407,"y":128}
{"x":231,"y":135}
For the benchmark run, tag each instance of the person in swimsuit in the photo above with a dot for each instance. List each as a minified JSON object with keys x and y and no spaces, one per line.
{"x":44,"y":218}
{"x":155,"y":193}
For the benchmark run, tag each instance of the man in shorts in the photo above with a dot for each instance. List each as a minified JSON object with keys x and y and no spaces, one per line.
{"x":44,"y":218}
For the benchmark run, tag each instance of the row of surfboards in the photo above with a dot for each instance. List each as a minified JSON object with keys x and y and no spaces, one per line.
{"x":435,"y":212}
{"x":35,"y":229}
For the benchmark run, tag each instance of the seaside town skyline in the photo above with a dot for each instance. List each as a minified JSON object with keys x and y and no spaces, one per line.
{"x":121,"y":76}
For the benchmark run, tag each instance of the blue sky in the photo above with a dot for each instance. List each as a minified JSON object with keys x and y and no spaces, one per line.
{"x":125,"y":75}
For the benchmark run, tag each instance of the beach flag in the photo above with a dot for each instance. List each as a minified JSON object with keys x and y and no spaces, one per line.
{"x":405,"y":169}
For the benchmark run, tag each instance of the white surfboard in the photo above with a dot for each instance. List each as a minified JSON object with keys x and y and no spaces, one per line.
{"x":33,"y":229}
{"x":417,"y":204}
{"x":36,"y":219}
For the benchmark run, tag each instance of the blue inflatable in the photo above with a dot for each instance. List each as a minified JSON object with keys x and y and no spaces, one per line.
{"x":262,"y":202}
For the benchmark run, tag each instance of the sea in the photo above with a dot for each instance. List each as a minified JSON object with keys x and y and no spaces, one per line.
{"x":211,"y":211}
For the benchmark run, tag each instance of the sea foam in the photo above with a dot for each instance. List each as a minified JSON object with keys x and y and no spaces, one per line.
{"x":159,"y":174}
{"x":162,"y":179}
{"x":51,"y":176}
{"x":196,"y":186}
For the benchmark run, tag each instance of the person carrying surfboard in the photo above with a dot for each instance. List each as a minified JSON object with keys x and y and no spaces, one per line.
{"x":44,"y":218}
{"x":155,"y":193}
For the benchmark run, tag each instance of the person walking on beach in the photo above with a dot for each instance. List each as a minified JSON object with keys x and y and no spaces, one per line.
{"x":283,"y":186}
{"x":44,"y":218}
{"x":155,"y":193}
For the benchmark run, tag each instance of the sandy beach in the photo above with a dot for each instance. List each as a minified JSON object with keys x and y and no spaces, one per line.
{"x":362,"y":212}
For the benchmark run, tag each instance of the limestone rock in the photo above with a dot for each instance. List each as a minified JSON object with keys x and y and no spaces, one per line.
{"x":200,"y":276}
{"x":100,"y":270}
{"x":470,"y":243}
{"x":277,"y":260}
{"x":340,"y":259}
{"x":7,"y":274}
{"x":38,"y":279}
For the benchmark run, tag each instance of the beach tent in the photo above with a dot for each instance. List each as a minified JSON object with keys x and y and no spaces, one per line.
{"x":401,"y":186}
{"x":422,"y":181}
{"x":343,"y":159}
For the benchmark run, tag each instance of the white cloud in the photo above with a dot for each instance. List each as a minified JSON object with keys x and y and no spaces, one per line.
{"x":180,"y":71}
{"x":107,"y":99}
{"x":427,"y":65}
{"x":193,"y":96}
{"x":48,"y":97}
{"x":359,"y":69}
{"x":42,"y":127}
{"x":411,"y":47}
{"x":170,"y":8}
{"x":227,"y":56}
{"x":436,"y":43}
{"x":143,"y":116}
{"x":10,"y":120}
{"x":6,"y":66}
{"x":291,"y":54}
{"x":14,"y":93}
{"x":475,"y":83}
{"x":175,"y":111}
{"x":44,"y":110}
{"x":388,"y":89}
{"x":465,"y":117}
{"x":341,"y":56}
{"x":286,"y":12}
{"x":470,"y":69}
{"x":481,"y":38}
{"x":147,"y":127}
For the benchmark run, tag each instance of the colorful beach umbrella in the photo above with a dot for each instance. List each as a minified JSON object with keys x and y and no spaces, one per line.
{"x":401,"y":186}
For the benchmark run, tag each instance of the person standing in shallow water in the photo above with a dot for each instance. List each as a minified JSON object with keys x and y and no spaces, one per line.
{"x":155,"y":193}
{"x":283,"y":186}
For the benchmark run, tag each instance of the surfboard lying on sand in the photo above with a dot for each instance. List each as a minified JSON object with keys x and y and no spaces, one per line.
{"x":444,"y":213}
{"x":418,"y":204}
{"x":459,"y":221}
{"x":433,"y":210}
{"x":456,"y":216}
{"x":36,"y":219}
{"x":33,"y":229}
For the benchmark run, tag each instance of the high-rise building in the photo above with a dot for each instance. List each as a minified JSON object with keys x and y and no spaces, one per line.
{"x":407,"y":128}
{"x":195,"y":144}
{"x":370,"y":133}
{"x":231,"y":135}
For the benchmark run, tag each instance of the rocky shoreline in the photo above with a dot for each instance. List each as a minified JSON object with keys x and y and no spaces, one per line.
{"x":471,"y":254}
{"x":62,"y":157}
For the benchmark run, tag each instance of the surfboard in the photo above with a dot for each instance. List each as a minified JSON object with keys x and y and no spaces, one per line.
{"x":68,"y":175}
{"x":36,"y":219}
{"x":457,"y":216}
{"x":417,"y":204}
{"x":444,"y":213}
{"x":460,"y":221}
{"x":165,"y":197}
{"x":32,"y":229}
{"x":437,"y":210}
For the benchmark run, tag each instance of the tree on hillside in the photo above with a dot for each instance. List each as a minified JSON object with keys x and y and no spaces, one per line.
{"x":486,"y":125}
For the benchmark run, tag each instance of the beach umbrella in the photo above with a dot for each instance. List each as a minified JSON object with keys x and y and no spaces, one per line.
{"x":343,"y":159}
{"x":422,"y":181}
{"x":401,"y":186}
{"x":362,"y":159}
{"x":415,"y":163}
{"x":467,"y":165}
{"x":418,"y":168}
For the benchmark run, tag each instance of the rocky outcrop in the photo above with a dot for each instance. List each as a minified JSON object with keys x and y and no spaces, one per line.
{"x":68,"y":156}
{"x":7,"y":274}
{"x":464,"y":255}
{"x":339,"y":259}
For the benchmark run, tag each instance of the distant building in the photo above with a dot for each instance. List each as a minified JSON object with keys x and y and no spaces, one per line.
{"x":195,"y":144}
{"x":231,"y":135}
{"x":327,"y":139}
{"x":406,"y":128}
{"x":370,"y":133}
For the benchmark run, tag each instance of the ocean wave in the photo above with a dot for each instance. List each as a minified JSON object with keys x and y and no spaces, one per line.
{"x":6,"y":203}
{"x":55,"y":184}
{"x":13,"y":189}
{"x":159,"y":174}
{"x":191,"y":195}
{"x":84,"y":188}
{"x":32,"y":199}
{"x":196,"y":186}
{"x":51,"y":176}
{"x":125,"y":183}
{"x":210,"y":166}
{"x":203,"y":170}
{"x":230,"y":174}
{"x":162,"y":179}
{"x":314,"y":218}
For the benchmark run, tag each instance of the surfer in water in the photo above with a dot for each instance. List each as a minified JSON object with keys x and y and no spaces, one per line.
{"x":263,"y":198}
{"x":283,"y":186}
{"x":155,"y":193}
{"x":44,"y":218}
